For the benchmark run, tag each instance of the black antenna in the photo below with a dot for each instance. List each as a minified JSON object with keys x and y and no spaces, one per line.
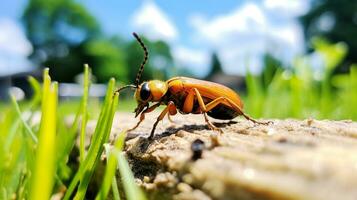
{"x":124,"y":87}
{"x":146,"y":56}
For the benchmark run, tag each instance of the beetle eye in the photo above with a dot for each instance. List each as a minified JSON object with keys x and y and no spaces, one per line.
{"x":145,"y":92}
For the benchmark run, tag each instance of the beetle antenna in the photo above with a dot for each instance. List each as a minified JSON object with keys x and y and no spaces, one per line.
{"x":125,"y":87}
{"x":146,"y":56}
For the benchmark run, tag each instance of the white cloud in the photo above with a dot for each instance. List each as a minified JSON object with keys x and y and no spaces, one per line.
{"x":14,"y":48}
{"x":195,"y":59}
{"x":151,"y":21}
{"x":288,"y":36}
{"x":12,"y":38}
{"x":239,"y":37}
{"x":291,"y":8}
{"x":154,"y":23}
{"x":242,"y":36}
{"x":243,"y":20}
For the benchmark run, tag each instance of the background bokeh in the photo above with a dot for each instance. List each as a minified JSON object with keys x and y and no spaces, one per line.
{"x":286,"y":59}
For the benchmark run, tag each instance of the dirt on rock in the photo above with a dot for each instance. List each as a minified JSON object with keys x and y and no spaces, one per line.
{"x":289,"y":159}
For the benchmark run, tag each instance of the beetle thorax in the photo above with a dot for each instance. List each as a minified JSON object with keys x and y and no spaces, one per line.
{"x":158,"y":89}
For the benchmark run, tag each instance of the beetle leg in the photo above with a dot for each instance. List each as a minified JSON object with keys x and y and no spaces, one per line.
{"x":142,"y":115}
{"x":210,"y":125}
{"x":204,"y":111}
{"x":189,"y":101}
{"x":170,"y":109}
{"x":219,"y":100}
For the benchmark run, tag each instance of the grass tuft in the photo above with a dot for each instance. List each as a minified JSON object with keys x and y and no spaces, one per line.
{"x":36,"y":146}
{"x":303,"y":90}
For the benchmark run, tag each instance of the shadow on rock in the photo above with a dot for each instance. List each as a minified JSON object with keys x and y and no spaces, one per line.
{"x":144,"y":143}
{"x":191,"y":128}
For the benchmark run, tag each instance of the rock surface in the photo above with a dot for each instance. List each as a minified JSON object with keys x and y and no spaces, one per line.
{"x":289,"y":159}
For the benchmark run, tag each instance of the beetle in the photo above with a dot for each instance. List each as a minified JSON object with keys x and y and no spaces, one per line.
{"x":187,"y":95}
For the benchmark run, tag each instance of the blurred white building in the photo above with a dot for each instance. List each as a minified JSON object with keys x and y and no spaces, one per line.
{"x":14,"y":51}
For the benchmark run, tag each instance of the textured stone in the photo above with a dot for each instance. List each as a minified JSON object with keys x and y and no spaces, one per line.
{"x":289,"y":159}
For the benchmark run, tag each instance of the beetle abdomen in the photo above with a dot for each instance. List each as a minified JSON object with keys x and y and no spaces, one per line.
{"x":222,"y":112}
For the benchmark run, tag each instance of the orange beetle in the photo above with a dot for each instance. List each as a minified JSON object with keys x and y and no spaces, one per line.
{"x":188,"y":95}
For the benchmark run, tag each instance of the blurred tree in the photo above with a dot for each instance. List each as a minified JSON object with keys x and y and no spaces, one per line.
{"x":59,"y":31}
{"x":108,"y":59}
{"x":271,"y":66}
{"x":65,"y":36}
{"x":160,"y":64}
{"x":335,"y":20}
{"x":162,"y":59}
{"x":216,"y":66}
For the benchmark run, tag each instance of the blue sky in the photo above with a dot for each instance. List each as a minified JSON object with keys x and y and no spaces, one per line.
{"x":239,"y":31}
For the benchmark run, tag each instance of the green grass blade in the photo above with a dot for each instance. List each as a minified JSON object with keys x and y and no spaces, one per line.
{"x":11,"y":135}
{"x":45,"y":165}
{"x":68,"y":142}
{"x":84,"y":112}
{"x":96,"y":146}
{"x":107,"y":101}
{"x":84,"y":165}
{"x":27,"y":127}
{"x":110,"y":169}
{"x":11,"y":154}
{"x":255,"y":95}
{"x":36,"y":87}
{"x":109,"y":174}
{"x":352,"y":94}
{"x":94,"y":156}
{"x":132,"y":191}
{"x":119,"y":146}
{"x":66,"y":137}
{"x":115,"y":189}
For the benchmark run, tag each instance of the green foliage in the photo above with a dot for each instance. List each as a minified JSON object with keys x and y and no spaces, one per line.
{"x":108,"y":59}
{"x":58,"y":31}
{"x":334,"y":20}
{"x":332,"y":54}
{"x":35,"y":154}
{"x":272,"y":65}
{"x":303,"y":92}
{"x":65,"y":35}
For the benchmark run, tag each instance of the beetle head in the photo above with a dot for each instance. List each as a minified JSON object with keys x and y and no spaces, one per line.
{"x":150,"y":91}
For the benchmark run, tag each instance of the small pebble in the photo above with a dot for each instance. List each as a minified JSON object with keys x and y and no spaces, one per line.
{"x":282,"y":140}
{"x":214,"y":140}
{"x":197,"y":148}
{"x":184,"y":187}
{"x":146,"y":179}
{"x":309,"y":121}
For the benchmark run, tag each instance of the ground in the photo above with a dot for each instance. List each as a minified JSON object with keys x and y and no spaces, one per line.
{"x":289,"y":159}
